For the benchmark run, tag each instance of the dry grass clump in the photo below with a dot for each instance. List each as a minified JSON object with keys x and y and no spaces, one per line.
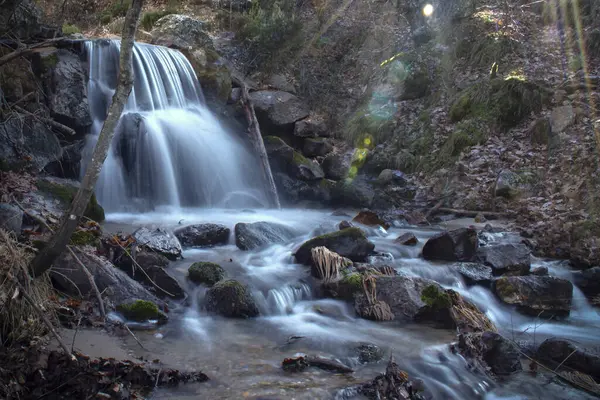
{"x":467,"y":316}
{"x":328,"y":263}
{"x":19,"y":321}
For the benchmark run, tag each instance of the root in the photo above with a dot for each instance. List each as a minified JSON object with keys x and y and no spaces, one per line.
{"x":328,"y":263}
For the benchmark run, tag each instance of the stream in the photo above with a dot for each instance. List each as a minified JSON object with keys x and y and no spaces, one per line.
{"x":243,"y":357}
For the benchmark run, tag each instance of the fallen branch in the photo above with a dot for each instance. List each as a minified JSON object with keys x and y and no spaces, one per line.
{"x":257,"y":141}
{"x":132,"y":335}
{"x":51,"y":122}
{"x":24,"y":51}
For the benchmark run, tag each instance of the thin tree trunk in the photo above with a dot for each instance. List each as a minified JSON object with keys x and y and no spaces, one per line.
{"x":45,"y":258}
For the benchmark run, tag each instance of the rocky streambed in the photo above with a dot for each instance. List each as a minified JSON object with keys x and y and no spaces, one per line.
{"x":250,"y":303}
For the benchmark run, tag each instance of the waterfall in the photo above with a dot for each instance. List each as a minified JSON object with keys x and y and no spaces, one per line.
{"x":168,"y":149}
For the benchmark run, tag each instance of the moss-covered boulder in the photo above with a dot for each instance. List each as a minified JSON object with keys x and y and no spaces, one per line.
{"x":181,"y":32}
{"x":285,"y":159}
{"x":206,"y":273}
{"x":231,"y":299}
{"x":142,"y":311}
{"x":85,"y":238}
{"x":351,"y":243}
{"x":506,"y":102}
{"x":345,"y":288}
{"x":314,"y":147}
{"x":213,"y":74}
{"x":64,"y":191}
{"x":535,"y":295}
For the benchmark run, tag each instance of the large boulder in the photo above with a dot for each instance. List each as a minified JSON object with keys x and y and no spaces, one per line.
{"x":336,"y":166}
{"x":27,"y":142}
{"x":351,"y":243}
{"x":158,"y":240}
{"x":63,"y":191}
{"x":65,"y":85}
{"x":181,"y":32}
{"x":512,"y":185}
{"x":420,"y":299}
{"x":534,"y":295}
{"x":11,"y":218}
{"x":284,"y":158}
{"x":111,"y":281}
{"x":357,"y":192}
{"x":153,"y":272}
{"x":259,"y":234}
{"x":276,"y":110}
{"x":316,"y":147}
{"x":588,"y":281}
{"x":492,"y":350}
{"x":310,"y":128}
{"x":569,"y":354}
{"x":456,"y":245}
{"x":206,"y":273}
{"x":513,"y":259}
{"x":231,"y":299}
{"x":203,"y":235}
{"x":69,"y":165}
{"x":292,"y":190}
{"x":21,"y":18}
{"x":407,"y":239}
{"x":212,"y":72}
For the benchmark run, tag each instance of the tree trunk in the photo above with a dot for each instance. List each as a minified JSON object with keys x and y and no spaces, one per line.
{"x":45,"y":258}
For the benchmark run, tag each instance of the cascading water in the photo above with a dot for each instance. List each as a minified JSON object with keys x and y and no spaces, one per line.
{"x":169,"y":149}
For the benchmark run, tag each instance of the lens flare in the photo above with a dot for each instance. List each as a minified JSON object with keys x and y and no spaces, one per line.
{"x":428,"y":10}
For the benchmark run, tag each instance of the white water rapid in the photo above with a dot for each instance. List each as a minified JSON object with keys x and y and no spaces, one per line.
{"x":169,"y":149}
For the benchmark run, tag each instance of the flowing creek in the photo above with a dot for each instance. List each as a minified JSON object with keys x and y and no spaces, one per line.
{"x":243,"y":357}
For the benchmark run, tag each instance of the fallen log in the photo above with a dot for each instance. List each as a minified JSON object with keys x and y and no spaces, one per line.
{"x":257,"y":142}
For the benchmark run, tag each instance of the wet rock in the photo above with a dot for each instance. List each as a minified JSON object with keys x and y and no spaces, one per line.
{"x":388,"y":176}
{"x":181,"y":32}
{"x":569,"y":354}
{"x":316,"y":147}
{"x":345,"y":288}
{"x":394,"y":384}
{"x":336,"y":166}
{"x":513,"y":185}
{"x":66,"y":89}
{"x":456,"y":245}
{"x":475,"y":274}
{"x":158,"y":240}
{"x":310,"y":128}
{"x":206,"y":273}
{"x":285,"y":159}
{"x":293,"y":191}
{"x":533,"y":295}
{"x":154,"y":272}
{"x":588,"y":281}
{"x":513,"y":259}
{"x":303,"y":361}
{"x":541,"y":271}
{"x":370,"y":218}
{"x":351,"y":243}
{"x":141,"y":311}
{"x":357,"y":192}
{"x":231,"y":299}
{"x":63,"y":191}
{"x":115,"y":285}
{"x":11,"y":218}
{"x":407,"y":239}
{"x":368,"y":353}
{"x":492,"y":350}
{"x":345,"y":224}
{"x":69,"y":165}
{"x":203,"y":235}
{"x":27,"y":142}
{"x":259,"y":234}
{"x":276,"y":109}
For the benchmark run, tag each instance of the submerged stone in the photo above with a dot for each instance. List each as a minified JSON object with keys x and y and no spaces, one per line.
{"x":231,"y":299}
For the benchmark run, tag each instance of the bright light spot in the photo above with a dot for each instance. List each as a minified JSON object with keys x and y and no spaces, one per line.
{"x":428,"y":10}
{"x":367,"y":141}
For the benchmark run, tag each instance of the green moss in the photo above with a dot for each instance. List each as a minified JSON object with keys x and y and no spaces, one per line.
{"x":503,"y":287}
{"x":141,"y":311}
{"x":207,"y":273}
{"x":354,"y":280}
{"x":435,"y":297}
{"x":49,"y":61}
{"x":273,"y":140}
{"x":65,"y":193}
{"x":69,"y":29}
{"x":149,"y":18}
{"x":299,"y":159}
{"x":82,"y":238}
{"x":105,"y":18}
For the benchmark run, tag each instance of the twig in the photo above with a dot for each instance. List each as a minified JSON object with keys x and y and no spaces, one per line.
{"x":22,"y":99}
{"x":92,"y":281}
{"x":51,"y":122}
{"x":563,"y":361}
{"x":157,"y":377}
{"x":75,"y":335}
{"x":136,"y":339}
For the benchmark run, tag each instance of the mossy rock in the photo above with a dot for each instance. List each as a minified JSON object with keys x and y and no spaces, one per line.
{"x":141,"y":311}
{"x":84,"y":238}
{"x":206,"y":273}
{"x":505,"y":102}
{"x":213,"y":74}
{"x":346,"y":288}
{"x":351,"y":243}
{"x":435,"y":297}
{"x":65,"y":192}
{"x":231,"y":299}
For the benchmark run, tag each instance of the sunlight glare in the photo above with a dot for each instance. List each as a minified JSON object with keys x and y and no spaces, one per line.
{"x":428,"y":10}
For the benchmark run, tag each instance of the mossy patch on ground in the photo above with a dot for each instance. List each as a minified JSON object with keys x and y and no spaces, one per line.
{"x":435,"y":297}
{"x":69,"y":29}
{"x":83,"y":238}
{"x":65,"y":193}
{"x":141,"y":311}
